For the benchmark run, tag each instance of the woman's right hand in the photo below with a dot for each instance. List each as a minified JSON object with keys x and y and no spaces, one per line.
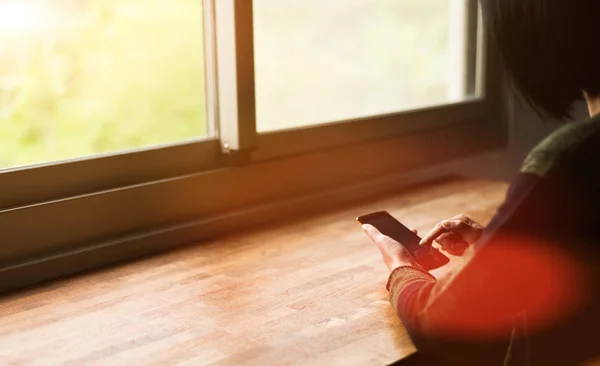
{"x":455,"y":235}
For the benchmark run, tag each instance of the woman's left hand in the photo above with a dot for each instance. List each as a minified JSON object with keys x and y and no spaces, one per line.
{"x":393,"y":253}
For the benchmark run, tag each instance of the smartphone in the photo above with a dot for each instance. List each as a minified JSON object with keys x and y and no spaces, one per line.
{"x":429,"y":258}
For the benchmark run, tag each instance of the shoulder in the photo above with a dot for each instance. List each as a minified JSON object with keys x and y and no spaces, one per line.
{"x":550,"y":152}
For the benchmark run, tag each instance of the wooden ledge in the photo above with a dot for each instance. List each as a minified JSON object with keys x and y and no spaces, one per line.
{"x":310,"y":292}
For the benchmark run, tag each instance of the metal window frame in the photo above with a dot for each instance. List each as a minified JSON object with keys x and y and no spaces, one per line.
{"x":54,"y":181}
{"x":481,"y":80}
{"x":234,"y":45}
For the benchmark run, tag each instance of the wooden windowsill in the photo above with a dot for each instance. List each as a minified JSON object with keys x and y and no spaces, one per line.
{"x":310,"y":292}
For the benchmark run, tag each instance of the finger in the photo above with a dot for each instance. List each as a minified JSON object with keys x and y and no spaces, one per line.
{"x":437,"y":230}
{"x":467,"y":220}
{"x":461,"y":217}
{"x":452,"y":243}
{"x":448,"y":239}
{"x":414,"y":231}
{"x":459,"y":227}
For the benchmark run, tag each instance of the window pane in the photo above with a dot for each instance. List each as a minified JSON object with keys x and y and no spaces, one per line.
{"x":81,"y":77}
{"x":321,"y":61}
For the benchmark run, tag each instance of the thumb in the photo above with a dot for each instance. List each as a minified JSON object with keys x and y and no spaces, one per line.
{"x":371,"y":232}
{"x":381,"y":241}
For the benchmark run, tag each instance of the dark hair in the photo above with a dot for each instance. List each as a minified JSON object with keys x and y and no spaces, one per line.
{"x":550,"y":49}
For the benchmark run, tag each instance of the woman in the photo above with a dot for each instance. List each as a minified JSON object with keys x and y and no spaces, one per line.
{"x":529,"y":294}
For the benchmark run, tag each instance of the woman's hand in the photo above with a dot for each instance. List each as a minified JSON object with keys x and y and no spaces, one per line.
{"x":455,"y":235}
{"x":393,"y":253}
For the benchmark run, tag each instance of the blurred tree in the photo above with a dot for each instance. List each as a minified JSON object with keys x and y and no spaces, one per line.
{"x":107,"y":75}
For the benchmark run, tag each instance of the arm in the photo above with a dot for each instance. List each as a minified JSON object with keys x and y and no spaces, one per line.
{"x":435,"y":313}
{"x":482,"y":294}
{"x":531,"y":259}
{"x":507,"y":275}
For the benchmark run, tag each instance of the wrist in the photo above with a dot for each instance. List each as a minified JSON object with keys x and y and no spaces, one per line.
{"x":403,"y":262}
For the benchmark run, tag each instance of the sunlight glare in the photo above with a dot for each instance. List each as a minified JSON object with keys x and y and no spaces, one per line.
{"x":20,"y":16}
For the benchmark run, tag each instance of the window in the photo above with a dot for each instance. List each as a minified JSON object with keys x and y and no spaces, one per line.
{"x":88,"y":77}
{"x":335,"y":60}
{"x":130,"y":126}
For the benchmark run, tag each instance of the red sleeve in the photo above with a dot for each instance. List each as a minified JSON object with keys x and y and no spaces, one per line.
{"x":508,"y":276}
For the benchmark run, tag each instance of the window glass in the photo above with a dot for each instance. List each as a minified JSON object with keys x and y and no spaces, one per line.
{"x":320,"y":61}
{"x":83,"y":77}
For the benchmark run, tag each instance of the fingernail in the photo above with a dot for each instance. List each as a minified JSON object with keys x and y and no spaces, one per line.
{"x":446,"y":225}
{"x":366,"y":227}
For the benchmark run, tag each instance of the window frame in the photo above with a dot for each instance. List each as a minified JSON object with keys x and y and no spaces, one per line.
{"x":124,"y":205}
{"x":481,"y":80}
{"x":52,"y":181}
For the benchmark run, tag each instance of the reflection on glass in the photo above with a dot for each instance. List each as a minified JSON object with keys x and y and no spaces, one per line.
{"x":81,"y":77}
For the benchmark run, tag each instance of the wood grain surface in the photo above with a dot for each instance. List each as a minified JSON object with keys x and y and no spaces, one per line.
{"x":307,"y":293}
